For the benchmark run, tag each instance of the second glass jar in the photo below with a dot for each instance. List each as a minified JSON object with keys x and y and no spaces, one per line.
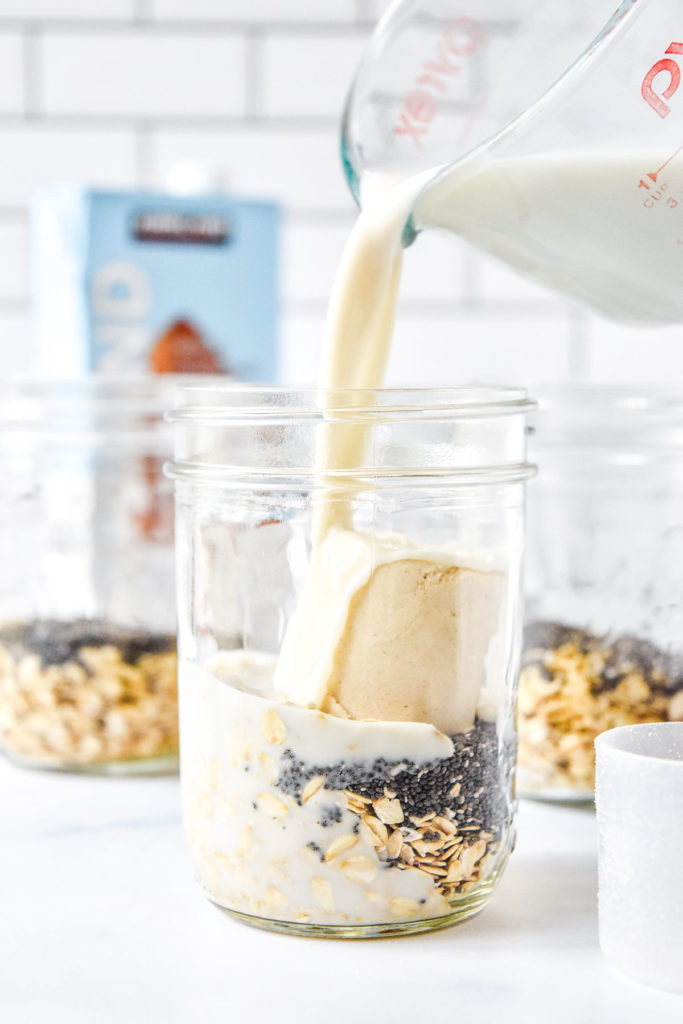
{"x":87,"y":616}
{"x":604,"y":593}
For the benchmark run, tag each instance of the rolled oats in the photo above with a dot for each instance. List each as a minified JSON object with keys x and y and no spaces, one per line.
{"x":274,"y":898}
{"x":86,"y":692}
{"x":272,"y":805}
{"x":273,"y":727}
{"x":394,"y":844}
{"x":322,"y":894}
{"x":359,"y":869}
{"x":244,"y":845}
{"x":339,"y":845}
{"x":407,"y":854}
{"x":388,"y":810}
{"x":401,"y":907}
{"x":573,"y":686}
{"x":374,"y":830}
{"x":311,"y":788}
{"x":269,"y":768}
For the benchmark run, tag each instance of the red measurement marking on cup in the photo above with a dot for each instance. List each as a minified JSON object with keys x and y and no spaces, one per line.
{"x":460,"y":39}
{"x":653,"y":175}
{"x":662,"y":81}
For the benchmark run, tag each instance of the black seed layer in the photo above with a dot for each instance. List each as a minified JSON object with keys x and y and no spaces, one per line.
{"x":662,"y":671}
{"x":57,"y":641}
{"x":479,"y":772}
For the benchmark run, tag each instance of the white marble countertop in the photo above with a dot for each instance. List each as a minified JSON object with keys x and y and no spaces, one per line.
{"x":102,"y":923}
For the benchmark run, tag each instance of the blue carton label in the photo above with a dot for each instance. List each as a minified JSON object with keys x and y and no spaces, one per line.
{"x":142,"y":281}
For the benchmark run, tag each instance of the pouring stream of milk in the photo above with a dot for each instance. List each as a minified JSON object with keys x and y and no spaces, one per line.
{"x":358,"y":331}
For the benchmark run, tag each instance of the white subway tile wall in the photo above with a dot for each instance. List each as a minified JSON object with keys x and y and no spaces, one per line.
{"x":308,"y":76}
{"x":259,"y":11}
{"x":136,"y":73}
{"x":14,"y":288}
{"x":69,"y":10}
{"x":298,"y":167}
{"x":37,"y":152}
{"x":124,"y":92}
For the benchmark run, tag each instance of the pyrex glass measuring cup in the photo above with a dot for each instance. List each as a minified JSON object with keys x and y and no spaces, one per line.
{"x":548,"y":134}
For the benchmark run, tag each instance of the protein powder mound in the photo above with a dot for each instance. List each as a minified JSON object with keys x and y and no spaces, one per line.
{"x":82,"y":692}
{"x":573,"y":686}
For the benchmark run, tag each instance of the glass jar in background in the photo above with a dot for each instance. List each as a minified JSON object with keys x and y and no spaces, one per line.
{"x":347,"y":693}
{"x":603,"y":640}
{"x":87,"y":615}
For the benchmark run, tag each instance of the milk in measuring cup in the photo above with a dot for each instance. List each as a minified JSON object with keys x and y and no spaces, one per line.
{"x":603,"y":228}
{"x":554,"y":136}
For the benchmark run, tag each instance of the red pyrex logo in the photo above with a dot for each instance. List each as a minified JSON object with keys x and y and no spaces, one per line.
{"x":460,"y":39}
{"x":655,"y":89}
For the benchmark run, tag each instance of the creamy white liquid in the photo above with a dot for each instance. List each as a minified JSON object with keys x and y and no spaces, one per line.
{"x":358,"y":331}
{"x":581,"y":223}
{"x":260,"y":850}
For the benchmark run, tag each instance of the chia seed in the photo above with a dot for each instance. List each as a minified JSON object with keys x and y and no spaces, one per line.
{"x":317,"y":849}
{"x":330,"y":815}
{"x":58,"y":641}
{"x":480,"y":766}
{"x":662,"y":671}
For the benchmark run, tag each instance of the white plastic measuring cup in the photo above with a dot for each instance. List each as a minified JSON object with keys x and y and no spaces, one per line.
{"x":549,"y":134}
{"x":639,"y":801}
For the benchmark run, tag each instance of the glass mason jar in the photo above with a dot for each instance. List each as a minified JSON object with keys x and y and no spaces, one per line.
{"x":603,"y":640}
{"x":87,"y":616}
{"x":349,"y":651}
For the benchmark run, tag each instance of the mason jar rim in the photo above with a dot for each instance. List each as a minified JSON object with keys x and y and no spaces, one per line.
{"x":618,"y":425}
{"x":118,"y":391}
{"x":91,"y":405}
{"x":91,"y":410}
{"x":618,"y":396}
{"x":240,"y":407}
{"x":269,"y":403}
{"x":606,"y":400}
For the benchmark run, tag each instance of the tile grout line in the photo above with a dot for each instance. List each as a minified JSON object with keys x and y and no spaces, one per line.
{"x":470,"y":282}
{"x":33,"y":81}
{"x":179,"y":122}
{"x":578,"y":367}
{"x":18,"y":304}
{"x":363,"y":16}
{"x":13,"y":214}
{"x":142,"y":19}
{"x":144,"y":139}
{"x":142,"y":14}
{"x":253,"y":71}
